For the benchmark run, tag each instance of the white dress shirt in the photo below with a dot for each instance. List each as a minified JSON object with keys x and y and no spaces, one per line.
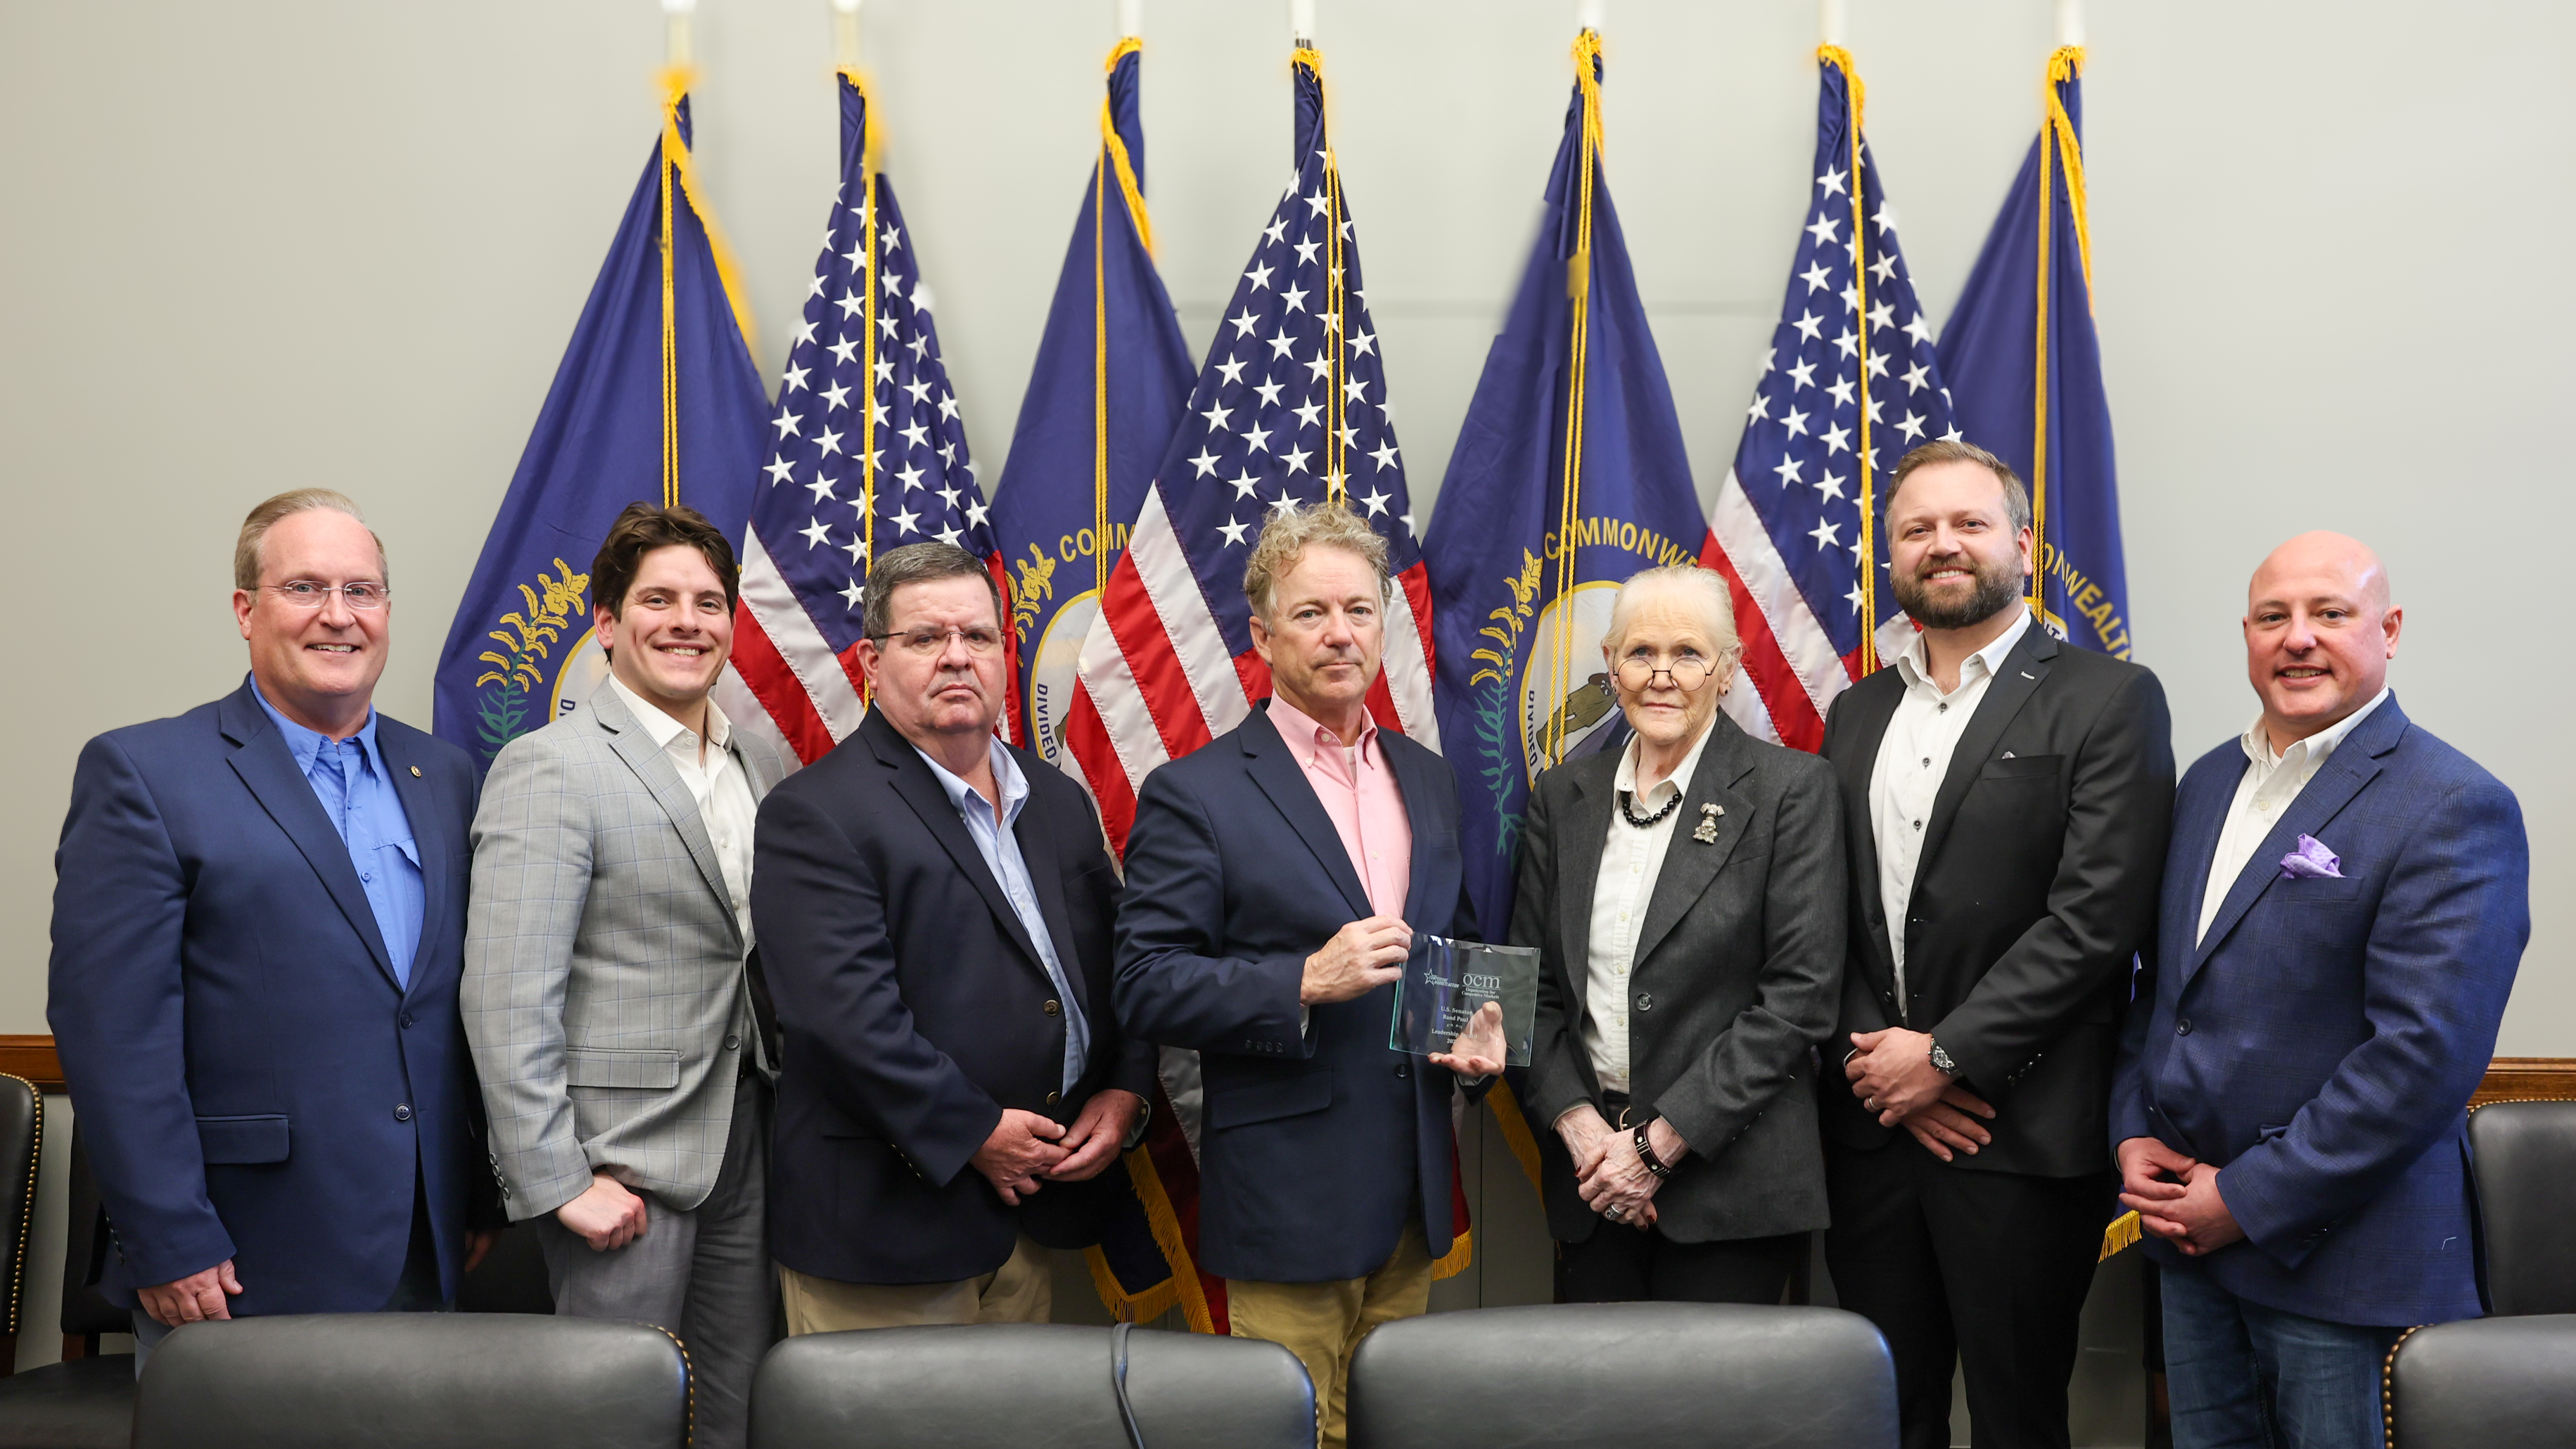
{"x":2270,"y":782}
{"x":717,"y":783}
{"x":1631,"y":859}
{"x":1913,"y":758}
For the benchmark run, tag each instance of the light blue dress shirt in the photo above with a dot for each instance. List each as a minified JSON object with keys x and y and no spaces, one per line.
{"x":1001,"y":852}
{"x":357,"y":792}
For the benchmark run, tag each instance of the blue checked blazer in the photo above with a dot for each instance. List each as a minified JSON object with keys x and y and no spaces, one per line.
{"x":2321,"y":1041}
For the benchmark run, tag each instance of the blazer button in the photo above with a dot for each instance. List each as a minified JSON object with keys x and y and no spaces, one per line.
{"x":406,"y":1021}
{"x":1054,"y":1097}
{"x":2183,"y":1027}
{"x":402,"y":1111}
{"x":732,"y":1042}
{"x":1645,"y":1001}
{"x":1403,"y":1070}
{"x":1052,"y":1008}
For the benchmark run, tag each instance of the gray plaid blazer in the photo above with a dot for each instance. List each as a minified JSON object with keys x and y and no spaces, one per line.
{"x":603,"y":991}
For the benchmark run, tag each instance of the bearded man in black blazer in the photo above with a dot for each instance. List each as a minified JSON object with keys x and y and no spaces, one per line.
{"x":2007,"y":801}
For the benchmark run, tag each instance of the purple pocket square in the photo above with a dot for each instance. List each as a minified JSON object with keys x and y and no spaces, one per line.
{"x":2311,"y":861}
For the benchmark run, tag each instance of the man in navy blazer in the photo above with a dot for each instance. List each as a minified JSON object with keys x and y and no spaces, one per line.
{"x":933,"y":910}
{"x":1275,"y":877}
{"x":259,"y":921}
{"x":2345,"y":904}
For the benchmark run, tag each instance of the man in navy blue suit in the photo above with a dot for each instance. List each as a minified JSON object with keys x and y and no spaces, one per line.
{"x":1275,"y":877}
{"x":2345,"y":904}
{"x":259,"y":920}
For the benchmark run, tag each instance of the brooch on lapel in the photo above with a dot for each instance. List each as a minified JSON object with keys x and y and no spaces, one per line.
{"x":1706,"y":834}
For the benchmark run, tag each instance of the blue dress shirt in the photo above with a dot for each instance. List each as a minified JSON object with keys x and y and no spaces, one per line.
{"x":1001,"y":852}
{"x":356,"y":789}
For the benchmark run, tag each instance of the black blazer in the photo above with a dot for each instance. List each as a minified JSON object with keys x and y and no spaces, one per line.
{"x":1739,"y":964}
{"x":2036,"y":888}
{"x":1318,"y":1144}
{"x":913,"y":1008}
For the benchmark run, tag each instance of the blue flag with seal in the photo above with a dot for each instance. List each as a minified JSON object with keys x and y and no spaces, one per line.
{"x":2025,"y":371}
{"x":1113,"y":372}
{"x":656,"y":398}
{"x":1568,"y":477}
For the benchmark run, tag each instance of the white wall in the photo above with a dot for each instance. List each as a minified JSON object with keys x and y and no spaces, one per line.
{"x":254,"y":247}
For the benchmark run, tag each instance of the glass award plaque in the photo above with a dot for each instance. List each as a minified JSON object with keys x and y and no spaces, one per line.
{"x":1465,"y":999}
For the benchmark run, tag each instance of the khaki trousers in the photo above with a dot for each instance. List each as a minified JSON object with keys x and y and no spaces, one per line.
{"x":1022,"y":1290}
{"x":1323,"y":1323}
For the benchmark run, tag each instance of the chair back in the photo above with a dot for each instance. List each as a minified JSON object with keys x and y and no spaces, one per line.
{"x":22,"y":1136}
{"x":1031,"y":1386}
{"x":414,"y":1381}
{"x":86,"y":1313}
{"x":2524,"y":1157}
{"x":2484,"y":1383}
{"x":1635,"y":1375}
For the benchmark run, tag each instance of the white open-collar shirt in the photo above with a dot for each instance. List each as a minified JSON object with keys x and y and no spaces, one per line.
{"x":1913,"y":758}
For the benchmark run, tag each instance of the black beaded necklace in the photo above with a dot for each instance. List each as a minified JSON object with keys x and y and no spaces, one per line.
{"x":1650,"y":821}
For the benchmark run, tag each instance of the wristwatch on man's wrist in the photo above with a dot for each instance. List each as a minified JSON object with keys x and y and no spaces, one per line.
{"x":1941,"y":1061}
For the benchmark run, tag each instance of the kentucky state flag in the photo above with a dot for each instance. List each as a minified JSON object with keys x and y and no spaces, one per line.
{"x":656,"y":399}
{"x":2025,"y":372}
{"x":1113,"y":372}
{"x":1568,"y":477}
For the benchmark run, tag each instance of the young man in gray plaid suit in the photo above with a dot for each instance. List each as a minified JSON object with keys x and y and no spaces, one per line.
{"x":605,"y":989}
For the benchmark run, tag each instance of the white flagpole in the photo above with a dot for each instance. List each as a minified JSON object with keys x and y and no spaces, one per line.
{"x":1588,"y":14}
{"x":1301,"y":21}
{"x":2070,"y":22}
{"x":1131,"y":18}
{"x":1830,"y":25}
{"x":675,"y":34}
{"x":845,"y":32}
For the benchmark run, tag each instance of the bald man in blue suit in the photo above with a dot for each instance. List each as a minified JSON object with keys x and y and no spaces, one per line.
{"x":2345,"y":905}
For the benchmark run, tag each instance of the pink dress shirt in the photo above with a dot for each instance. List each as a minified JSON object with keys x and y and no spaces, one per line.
{"x":1361,"y":795}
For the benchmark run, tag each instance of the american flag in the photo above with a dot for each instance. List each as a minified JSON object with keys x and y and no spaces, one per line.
{"x":1849,"y":385}
{"x":867,"y":452}
{"x":1291,"y":409}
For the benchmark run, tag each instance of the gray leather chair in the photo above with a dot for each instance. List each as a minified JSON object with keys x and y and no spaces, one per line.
{"x":2524,"y":1154}
{"x":414,"y":1381}
{"x":1029,"y":1386}
{"x":1625,"y":1376}
{"x":2484,"y":1383}
{"x":86,"y":1401}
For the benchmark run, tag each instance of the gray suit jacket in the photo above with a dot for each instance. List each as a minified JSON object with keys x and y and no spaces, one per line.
{"x":1737,"y":976}
{"x":604,"y":989}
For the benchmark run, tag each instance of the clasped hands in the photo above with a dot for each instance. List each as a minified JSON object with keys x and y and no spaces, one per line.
{"x":1891,"y":1072}
{"x":2176,"y":1197}
{"x":1614,"y":1180}
{"x":1026,"y":1150}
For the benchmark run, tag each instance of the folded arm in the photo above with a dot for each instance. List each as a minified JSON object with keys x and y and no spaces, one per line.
{"x":119,"y":1011}
{"x":532,"y":864}
{"x":1804,"y":923}
{"x":820,"y":913}
{"x":2444,"y":946}
{"x":2100,"y":904}
{"x":1175,"y":987}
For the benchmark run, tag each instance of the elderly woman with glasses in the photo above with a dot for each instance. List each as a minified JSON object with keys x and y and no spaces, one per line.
{"x":1686,"y":895}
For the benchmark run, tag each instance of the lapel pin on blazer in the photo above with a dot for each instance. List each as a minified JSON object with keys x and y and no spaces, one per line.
{"x":1706,"y":834}
{"x":415,"y":772}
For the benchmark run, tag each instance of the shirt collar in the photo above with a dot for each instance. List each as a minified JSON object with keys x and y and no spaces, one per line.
{"x":305,"y":744}
{"x":663,"y":729}
{"x":1915,"y":664}
{"x":2315,"y":748}
{"x":1626,"y":781}
{"x":1006,"y":775}
{"x":1305,"y":737}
